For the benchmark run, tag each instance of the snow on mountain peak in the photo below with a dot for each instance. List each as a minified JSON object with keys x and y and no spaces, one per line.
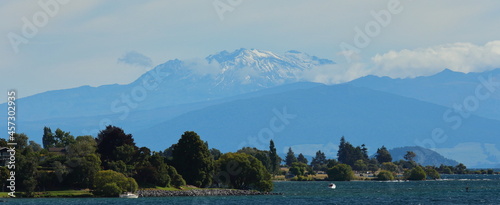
{"x":252,"y":68}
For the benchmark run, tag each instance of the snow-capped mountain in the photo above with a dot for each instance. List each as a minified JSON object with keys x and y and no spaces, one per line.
{"x":261,"y":68}
{"x":176,"y":82}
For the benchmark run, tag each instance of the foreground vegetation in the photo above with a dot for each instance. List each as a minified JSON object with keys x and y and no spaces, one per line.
{"x":112,"y":163}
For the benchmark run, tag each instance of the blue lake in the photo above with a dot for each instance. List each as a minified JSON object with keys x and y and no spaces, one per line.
{"x":483,"y":189}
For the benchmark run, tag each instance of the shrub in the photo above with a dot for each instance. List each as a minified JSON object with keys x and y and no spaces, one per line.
{"x":385,"y":175}
{"x":416,"y":173}
{"x":340,"y":172}
{"x":104,"y":180}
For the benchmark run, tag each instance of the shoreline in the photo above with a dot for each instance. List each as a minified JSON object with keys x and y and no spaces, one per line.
{"x":201,"y":192}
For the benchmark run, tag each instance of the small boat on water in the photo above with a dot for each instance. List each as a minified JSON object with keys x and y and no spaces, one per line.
{"x":332,"y":186}
{"x":129,"y":195}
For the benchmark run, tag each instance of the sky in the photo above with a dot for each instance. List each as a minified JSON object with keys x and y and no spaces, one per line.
{"x":58,"y":44}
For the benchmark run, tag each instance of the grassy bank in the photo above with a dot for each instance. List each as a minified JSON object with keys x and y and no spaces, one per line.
{"x":54,"y":194}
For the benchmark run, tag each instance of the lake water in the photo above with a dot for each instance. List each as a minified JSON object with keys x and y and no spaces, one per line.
{"x":483,"y":189}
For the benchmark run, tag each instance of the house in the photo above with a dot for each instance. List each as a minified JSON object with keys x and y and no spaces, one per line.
{"x":4,"y":156}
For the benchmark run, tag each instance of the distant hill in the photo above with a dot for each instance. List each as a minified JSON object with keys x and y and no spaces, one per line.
{"x":424,"y":156}
{"x":447,"y":88}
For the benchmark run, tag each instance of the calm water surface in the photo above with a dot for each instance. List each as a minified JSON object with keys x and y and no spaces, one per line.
{"x":483,"y":189}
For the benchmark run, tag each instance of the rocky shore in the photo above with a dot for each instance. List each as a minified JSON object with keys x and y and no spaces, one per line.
{"x":200,"y":192}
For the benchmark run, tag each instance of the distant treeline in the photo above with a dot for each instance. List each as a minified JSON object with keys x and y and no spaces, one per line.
{"x":112,"y":163}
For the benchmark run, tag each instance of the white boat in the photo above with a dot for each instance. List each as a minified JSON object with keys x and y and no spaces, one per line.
{"x":332,"y":186}
{"x":129,"y":195}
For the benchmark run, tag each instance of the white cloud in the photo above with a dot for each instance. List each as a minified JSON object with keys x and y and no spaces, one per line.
{"x":136,"y":59}
{"x":462,"y":57}
{"x":202,"y":67}
{"x":335,"y":73}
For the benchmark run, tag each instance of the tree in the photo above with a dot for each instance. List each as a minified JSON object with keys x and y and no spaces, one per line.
{"x":48,"y":140}
{"x":274,"y":158}
{"x":83,"y":170}
{"x":26,"y":169}
{"x":302,"y":159}
{"x":385,"y":175}
{"x":215,"y":153}
{"x":383,"y":155}
{"x":63,"y":139}
{"x":57,"y":139}
{"x":349,"y":154}
{"x":110,"y":140}
{"x":83,"y":146}
{"x":110,"y":183}
{"x":340,"y":172}
{"x":298,"y":168}
{"x":416,"y":173}
{"x":432,"y":173}
{"x":360,"y":165}
{"x":389,"y":166}
{"x":290,"y":157}
{"x":4,"y":175}
{"x":409,"y":156}
{"x":191,"y":158}
{"x":318,"y":162}
{"x":35,"y":146}
{"x":343,"y":152}
{"x":460,"y":169}
{"x":262,"y":156}
{"x":3,"y":142}
{"x":21,"y":140}
{"x":245,"y":172}
{"x":155,"y":172}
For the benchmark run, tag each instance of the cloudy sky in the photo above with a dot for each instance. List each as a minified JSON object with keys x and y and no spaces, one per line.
{"x":50,"y":44}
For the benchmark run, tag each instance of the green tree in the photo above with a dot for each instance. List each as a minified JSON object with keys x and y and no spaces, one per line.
{"x":385,"y":175}
{"x":298,"y":168}
{"x":26,"y":170}
{"x":383,"y":155}
{"x":432,"y":173}
{"x":105,"y":182}
{"x":416,"y":173}
{"x":21,"y":140}
{"x":247,"y":172}
{"x":340,"y":172}
{"x":83,"y":170}
{"x":274,"y":158}
{"x":57,"y":139}
{"x":110,"y":145}
{"x":330,"y":163}
{"x":48,"y":139}
{"x":302,"y":159}
{"x":409,"y":156}
{"x":191,"y":158}
{"x":262,"y":156}
{"x":215,"y":153}
{"x":35,"y":146}
{"x":3,"y":142}
{"x":83,"y":146}
{"x":63,"y":139}
{"x":4,"y":175}
{"x":290,"y":157}
{"x":319,"y":161}
{"x":460,"y":169}
{"x":389,"y":166}
{"x":360,"y":165}
{"x":349,"y":154}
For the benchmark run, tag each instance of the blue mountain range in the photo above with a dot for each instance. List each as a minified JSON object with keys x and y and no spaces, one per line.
{"x":248,"y":96}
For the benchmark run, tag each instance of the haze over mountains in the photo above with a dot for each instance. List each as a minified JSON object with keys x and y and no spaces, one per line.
{"x":249,"y":96}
